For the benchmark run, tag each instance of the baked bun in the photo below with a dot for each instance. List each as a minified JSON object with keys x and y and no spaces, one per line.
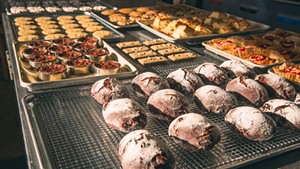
{"x":167,"y":104}
{"x":214,"y":99}
{"x":278,"y":84}
{"x":249,"y":89}
{"x":297,"y":100}
{"x":184,"y":81}
{"x":145,"y":84}
{"x":236,"y":69}
{"x":194,"y":132}
{"x":124,"y":115}
{"x":251,"y":123}
{"x":108,"y":89}
{"x":210,"y":73}
{"x":284,"y":112}
{"x":141,"y":149}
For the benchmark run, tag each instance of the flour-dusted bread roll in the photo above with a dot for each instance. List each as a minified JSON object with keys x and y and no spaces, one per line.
{"x":141,"y":149}
{"x":297,"y":100}
{"x":251,"y":123}
{"x":167,"y":104}
{"x":236,"y":69}
{"x":278,"y":85}
{"x":211,"y":73}
{"x":108,"y":89}
{"x":214,"y":99}
{"x":124,"y":115}
{"x":147,"y":83}
{"x":284,"y":112}
{"x":251,"y":90}
{"x":194,"y":132}
{"x":184,"y":81}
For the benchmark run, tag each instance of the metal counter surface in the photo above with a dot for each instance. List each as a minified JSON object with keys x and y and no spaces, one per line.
{"x":37,"y":158}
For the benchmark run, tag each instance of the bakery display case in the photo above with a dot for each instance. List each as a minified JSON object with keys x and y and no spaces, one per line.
{"x":178,"y":91}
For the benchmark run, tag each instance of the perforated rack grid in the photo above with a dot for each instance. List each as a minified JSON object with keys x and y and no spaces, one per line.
{"x":69,"y":125}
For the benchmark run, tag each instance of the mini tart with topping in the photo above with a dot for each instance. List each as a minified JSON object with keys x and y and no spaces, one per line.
{"x":223,"y":44}
{"x":288,"y":70}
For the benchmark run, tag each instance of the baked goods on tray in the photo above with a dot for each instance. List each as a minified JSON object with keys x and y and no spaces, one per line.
{"x":262,"y":49}
{"x":288,"y":70}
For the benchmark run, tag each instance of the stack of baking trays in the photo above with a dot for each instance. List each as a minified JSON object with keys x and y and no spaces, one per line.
{"x":230,"y":114}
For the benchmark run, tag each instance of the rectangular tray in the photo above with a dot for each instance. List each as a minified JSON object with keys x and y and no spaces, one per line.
{"x":229,"y":56}
{"x":116,"y":34}
{"x":69,"y":125}
{"x":33,"y":84}
{"x":259,"y":28}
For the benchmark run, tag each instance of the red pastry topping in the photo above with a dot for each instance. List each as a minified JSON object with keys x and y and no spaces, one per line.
{"x":240,"y":49}
{"x":257,"y":58}
{"x":108,"y":65}
{"x":292,"y":70}
{"x":224,"y":43}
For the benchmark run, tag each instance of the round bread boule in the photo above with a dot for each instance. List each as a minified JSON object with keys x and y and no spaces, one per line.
{"x":210,"y":73}
{"x":184,"y":81}
{"x":108,"y":89}
{"x":141,"y":149}
{"x":285,"y":113}
{"x":124,"y":115}
{"x":251,"y":90}
{"x":194,"y":132}
{"x":147,"y":83}
{"x":167,"y":104}
{"x":237,"y":69}
{"x":251,"y":123}
{"x":214,"y":99}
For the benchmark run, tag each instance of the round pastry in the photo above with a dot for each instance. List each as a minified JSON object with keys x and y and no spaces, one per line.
{"x":65,"y":22}
{"x":167,"y":104}
{"x":210,"y":73}
{"x":88,"y":24}
{"x":285,"y":113}
{"x":149,"y":151}
{"x":50,"y":31}
{"x":124,"y":115}
{"x":108,"y":89}
{"x":297,"y":100}
{"x":194,"y":132}
{"x":27,"y":27}
{"x":249,"y":89}
{"x":116,"y":17}
{"x":147,"y":83}
{"x":94,"y":28}
{"x":44,"y":23}
{"x":70,"y":26}
{"x":27,"y":32}
{"x":236,"y":69}
{"x":214,"y":99}
{"x":184,"y":81}
{"x":43,"y":18}
{"x":25,"y":38}
{"x":108,"y":12}
{"x":278,"y":84}
{"x":142,"y":9}
{"x":125,"y":10}
{"x":82,"y":17}
{"x":77,"y":34}
{"x":64,"y":17}
{"x":251,"y":123}
{"x":51,"y":26}
{"x":81,"y":21}
{"x":102,"y":34}
{"x":74,"y":30}
{"x":21,"y":19}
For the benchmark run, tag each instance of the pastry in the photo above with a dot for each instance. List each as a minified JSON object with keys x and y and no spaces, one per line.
{"x":51,"y":26}
{"x":54,"y":36}
{"x":124,"y":115}
{"x":136,"y":49}
{"x":27,"y":32}
{"x":184,"y":81}
{"x":27,"y":38}
{"x":251,"y":90}
{"x":149,"y":151}
{"x":147,"y":83}
{"x":88,"y":24}
{"x":125,"y":10}
{"x":210,"y":73}
{"x":214,"y":99}
{"x":182,"y":56}
{"x":277,"y":84}
{"x":43,"y":18}
{"x":82,"y":17}
{"x":163,"y":46}
{"x":154,"y":42}
{"x":285,"y":113}
{"x":70,"y":26}
{"x":44,"y":23}
{"x":77,"y":34}
{"x":218,"y":15}
{"x":116,"y":17}
{"x":102,"y":34}
{"x":65,"y":22}
{"x":64,"y":17}
{"x":171,"y":50}
{"x":288,"y":70}
{"x":237,"y":69}
{"x":142,"y":54}
{"x":82,"y":21}
{"x":50,"y":31}
{"x":27,"y":27}
{"x":167,"y":104}
{"x":94,"y":28}
{"x":24,"y":23}
{"x":194,"y":132}
{"x":108,"y":89}
{"x":297,"y":99}
{"x":142,"y":9}
{"x":74,"y":30}
{"x":21,"y":19}
{"x":108,"y":12}
{"x":152,"y":60}
{"x":251,"y":123}
{"x":128,"y":44}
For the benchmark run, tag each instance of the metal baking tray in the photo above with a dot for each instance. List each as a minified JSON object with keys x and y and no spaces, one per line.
{"x":259,"y":27}
{"x":71,"y":133}
{"x":230,"y":56}
{"x":8,"y":11}
{"x":28,"y":77}
{"x":116,"y":34}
